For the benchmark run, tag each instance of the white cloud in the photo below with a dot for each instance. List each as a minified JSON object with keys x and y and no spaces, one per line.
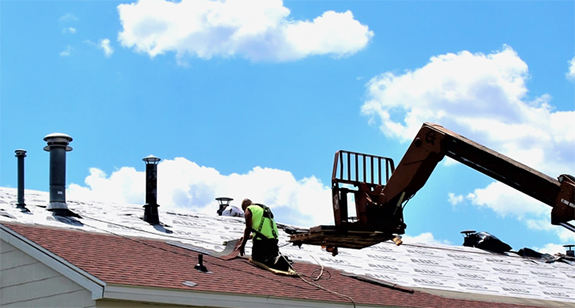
{"x":426,"y":237}
{"x":505,"y":200}
{"x":544,"y":223}
{"x":68,"y":17}
{"x":184,"y":184}
{"x":66,"y":52}
{"x":551,"y":249}
{"x":122,"y":186}
{"x":69,"y":30}
{"x":566,"y":236}
{"x":256,"y":30}
{"x":571,"y":73}
{"x":483,"y":97}
{"x":104,"y":44}
{"x":454,"y":199}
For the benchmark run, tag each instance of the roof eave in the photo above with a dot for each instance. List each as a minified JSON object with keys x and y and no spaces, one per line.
{"x":211,"y":299}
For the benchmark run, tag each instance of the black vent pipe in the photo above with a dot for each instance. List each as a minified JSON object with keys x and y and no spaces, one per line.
{"x":151,"y":208}
{"x":58,"y":146}
{"x":569,"y":252}
{"x":21,"y":205}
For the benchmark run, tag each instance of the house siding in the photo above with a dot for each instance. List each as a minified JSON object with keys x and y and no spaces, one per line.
{"x":26,"y":282}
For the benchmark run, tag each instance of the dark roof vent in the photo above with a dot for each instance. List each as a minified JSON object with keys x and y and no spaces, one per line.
{"x":151,"y":208}
{"x":21,"y":205}
{"x":570,"y":252}
{"x":58,"y":146}
{"x":189,"y":283}
{"x":200,"y":266}
{"x":224,"y":202}
{"x":467,"y":237}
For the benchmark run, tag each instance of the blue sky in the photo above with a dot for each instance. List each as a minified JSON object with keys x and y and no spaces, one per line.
{"x":253,"y":98}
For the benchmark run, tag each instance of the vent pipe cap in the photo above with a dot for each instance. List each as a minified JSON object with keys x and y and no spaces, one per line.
{"x":20,"y":153}
{"x":57,"y":140}
{"x":151,"y":160}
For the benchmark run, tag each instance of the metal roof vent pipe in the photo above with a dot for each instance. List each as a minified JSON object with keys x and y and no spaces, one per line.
{"x":21,"y":205}
{"x":151,"y":207}
{"x":58,"y":146}
{"x":200,"y":266}
{"x":569,"y":252}
{"x":224,"y":203}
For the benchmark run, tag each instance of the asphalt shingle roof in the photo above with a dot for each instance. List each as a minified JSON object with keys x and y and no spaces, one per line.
{"x":146,"y":262}
{"x":113,"y":243}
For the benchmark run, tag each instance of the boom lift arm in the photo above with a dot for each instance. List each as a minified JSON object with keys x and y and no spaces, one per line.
{"x":379,"y":206}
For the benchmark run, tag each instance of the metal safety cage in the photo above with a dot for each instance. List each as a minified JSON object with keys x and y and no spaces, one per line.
{"x":358,"y":178}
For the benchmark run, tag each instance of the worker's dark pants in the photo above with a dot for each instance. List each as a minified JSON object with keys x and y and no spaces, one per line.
{"x":266,"y":251}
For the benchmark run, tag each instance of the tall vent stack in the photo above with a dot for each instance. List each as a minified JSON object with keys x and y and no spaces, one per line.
{"x":20,"y":154}
{"x":151,"y":208}
{"x":58,"y":146}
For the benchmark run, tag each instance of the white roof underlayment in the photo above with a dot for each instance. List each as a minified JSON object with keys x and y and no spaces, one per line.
{"x":418,"y":265}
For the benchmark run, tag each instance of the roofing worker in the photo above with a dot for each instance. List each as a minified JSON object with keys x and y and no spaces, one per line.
{"x":261,"y":225}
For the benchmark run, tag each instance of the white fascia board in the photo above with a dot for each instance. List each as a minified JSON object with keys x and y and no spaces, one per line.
{"x":67,"y":269}
{"x":211,"y":299}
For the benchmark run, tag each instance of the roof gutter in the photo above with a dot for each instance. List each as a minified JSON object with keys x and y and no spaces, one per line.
{"x":212,"y":299}
{"x":67,"y":269}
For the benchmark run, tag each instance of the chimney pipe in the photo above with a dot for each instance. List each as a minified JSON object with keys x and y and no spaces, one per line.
{"x":569,"y":252}
{"x":151,"y":207}
{"x":58,"y":146}
{"x":21,"y":205}
{"x":224,"y":202}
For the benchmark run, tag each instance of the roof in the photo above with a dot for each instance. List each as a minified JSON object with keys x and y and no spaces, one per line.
{"x":114,"y":245}
{"x":154,"y":263}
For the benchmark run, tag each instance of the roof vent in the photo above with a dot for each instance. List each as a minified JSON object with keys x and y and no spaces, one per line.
{"x":189,"y":283}
{"x":151,"y":208}
{"x":200,"y":266}
{"x":21,"y":205}
{"x":224,"y":202}
{"x":570,"y":252}
{"x":467,"y":240}
{"x":58,"y":146}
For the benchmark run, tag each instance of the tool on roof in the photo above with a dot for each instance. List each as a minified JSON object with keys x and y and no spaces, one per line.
{"x":287,"y":272}
{"x":380,"y":191}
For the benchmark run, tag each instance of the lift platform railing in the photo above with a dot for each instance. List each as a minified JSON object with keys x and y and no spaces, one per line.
{"x":356,"y":174}
{"x":353,"y":168}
